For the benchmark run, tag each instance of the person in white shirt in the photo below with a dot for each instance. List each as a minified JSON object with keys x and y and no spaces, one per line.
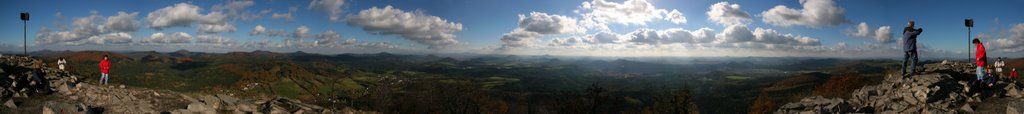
{"x":999,"y":65}
{"x":61,"y":62}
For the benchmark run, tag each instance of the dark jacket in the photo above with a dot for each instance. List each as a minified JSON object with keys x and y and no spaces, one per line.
{"x":910,"y":38}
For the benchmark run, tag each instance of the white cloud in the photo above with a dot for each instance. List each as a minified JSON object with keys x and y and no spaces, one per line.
{"x":728,"y":14}
{"x":416,"y":26}
{"x":214,"y":22}
{"x":173,"y":38}
{"x":881,"y":35}
{"x":214,"y":28}
{"x":84,"y":27}
{"x":675,"y":17}
{"x":333,"y":8}
{"x":288,"y":17}
{"x":769,"y":36}
{"x":734,"y":34}
{"x":532,"y":27}
{"x":301,"y":32}
{"x":112,"y":38}
{"x":259,"y":29}
{"x":735,"y":37}
{"x":519,"y":38}
{"x":816,"y":13}
{"x":377,"y":45}
{"x":184,"y":14}
{"x":327,"y":38}
{"x":628,"y":12}
{"x":181,"y":14}
{"x":214,"y":39}
{"x":123,"y":22}
{"x":213,"y":18}
{"x":234,"y":6}
{"x":1013,"y":43}
{"x":548,"y":24}
{"x":671,"y":36}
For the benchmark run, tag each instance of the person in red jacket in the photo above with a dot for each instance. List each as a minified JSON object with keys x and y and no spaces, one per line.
{"x":105,"y":69}
{"x":980,"y":58}
{"x":1013,"y":73}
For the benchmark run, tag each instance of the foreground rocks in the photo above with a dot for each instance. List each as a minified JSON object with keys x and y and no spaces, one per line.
{"x":946,"y":87}
{"x":64,"y":93}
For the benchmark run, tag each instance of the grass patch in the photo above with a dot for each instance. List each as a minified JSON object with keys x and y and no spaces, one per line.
{"x":738,"y":77}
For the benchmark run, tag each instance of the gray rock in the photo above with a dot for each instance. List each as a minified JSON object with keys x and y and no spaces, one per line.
{"x":1012,"y":110}
{"x":967,"y":108}
{"x":47,"y":110}
{"x":227,"y":99}
{"x":10,"y":103}
{"x":210,"y":100}
{"x":1013,"y":93}
{"x":198,"y":107}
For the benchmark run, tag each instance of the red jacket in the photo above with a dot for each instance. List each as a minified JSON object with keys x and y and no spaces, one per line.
{"x":1013,"y":74}
{"x":105,"y":66}
{"x":980,"y":57}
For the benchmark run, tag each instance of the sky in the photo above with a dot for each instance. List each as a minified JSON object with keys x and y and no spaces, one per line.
{"x":687,"y":28}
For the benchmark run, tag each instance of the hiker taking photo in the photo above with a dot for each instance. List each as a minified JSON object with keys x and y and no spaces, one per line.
{"x":910,"y":48}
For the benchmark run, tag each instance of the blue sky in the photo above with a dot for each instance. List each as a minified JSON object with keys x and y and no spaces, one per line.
{"x":559,"y":27}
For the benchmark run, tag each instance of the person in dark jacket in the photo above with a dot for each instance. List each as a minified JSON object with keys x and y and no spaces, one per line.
{"x":38,"y":76}
{"x":910,"y":48}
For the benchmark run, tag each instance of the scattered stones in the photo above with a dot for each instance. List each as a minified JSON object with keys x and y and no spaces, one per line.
{"x":936,"y":90}
{"x":89,"y":98}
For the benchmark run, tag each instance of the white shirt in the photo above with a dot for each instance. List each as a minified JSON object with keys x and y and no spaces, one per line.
{"x":60,"y":64}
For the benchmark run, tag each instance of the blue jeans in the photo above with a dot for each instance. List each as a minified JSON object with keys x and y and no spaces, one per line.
{"x":907,"y":57}
{"x":981,"y":72}
{"x":103,"y":78}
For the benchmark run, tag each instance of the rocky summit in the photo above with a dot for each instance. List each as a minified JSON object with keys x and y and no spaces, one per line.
{"x":946,"y":87}
{"x":63,"y":92}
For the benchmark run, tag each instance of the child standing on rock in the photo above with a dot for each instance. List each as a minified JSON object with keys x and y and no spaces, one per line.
{"x":980,"y":57}
{"x":104,"y":69}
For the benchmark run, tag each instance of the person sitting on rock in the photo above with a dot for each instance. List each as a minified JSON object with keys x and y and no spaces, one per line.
{"x":37,"y":76}
{"x":980,"y":57}
{"x":104,"y":70}
{"x":990,"y":78}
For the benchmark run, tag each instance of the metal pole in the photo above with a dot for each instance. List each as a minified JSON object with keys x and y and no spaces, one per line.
{"x":24,"y":37}
{"x":969,"y":44}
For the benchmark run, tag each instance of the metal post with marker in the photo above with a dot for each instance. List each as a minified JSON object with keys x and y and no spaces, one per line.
{"x":969,"y":23}
{"x":24,"y":20}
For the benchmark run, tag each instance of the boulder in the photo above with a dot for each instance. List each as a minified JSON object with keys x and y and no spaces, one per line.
{"x":210,"y":100}
{"x":47,"y":110}
{"x":10,"y":103}
{"x":967,"y":108}
{"x":1012,"y":110}
{"x":198,"y":107}
{"x":228,"y":100}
